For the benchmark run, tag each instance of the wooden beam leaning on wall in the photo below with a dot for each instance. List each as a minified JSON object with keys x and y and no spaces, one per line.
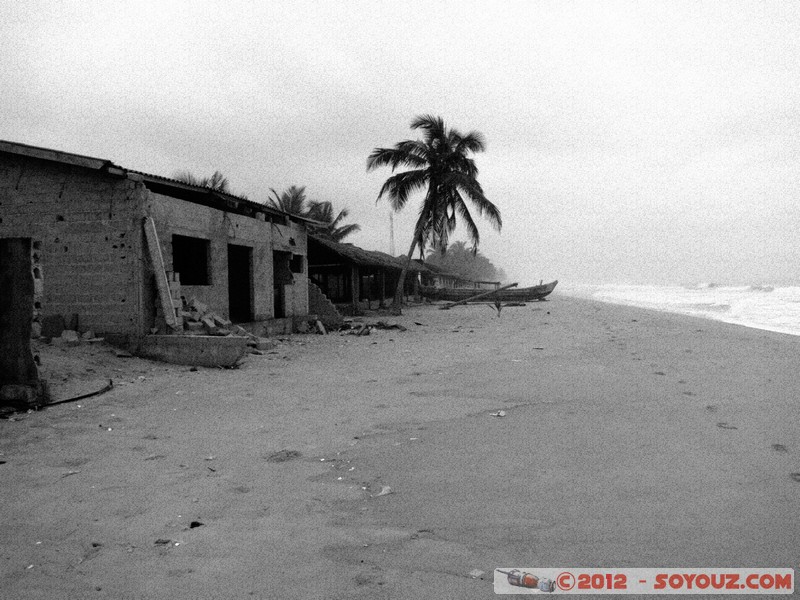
{"x":162,"y":283}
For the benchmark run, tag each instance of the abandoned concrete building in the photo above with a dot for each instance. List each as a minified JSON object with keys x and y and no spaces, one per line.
{"x":115,"y":250}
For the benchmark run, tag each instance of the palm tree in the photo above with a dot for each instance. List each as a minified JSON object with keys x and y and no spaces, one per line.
{"x":217,"y":182}
{"x":293,"y":201}
{"x":441,"y":163}
{"x":332,"y":230}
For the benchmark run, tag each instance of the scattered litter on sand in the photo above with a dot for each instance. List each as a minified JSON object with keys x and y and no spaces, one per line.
{"x":499,"y":413}
{"x":385,"y":491}
{"x":477,"y":574}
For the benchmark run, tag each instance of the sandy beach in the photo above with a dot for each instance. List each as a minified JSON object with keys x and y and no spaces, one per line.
{"x":371,"y":467}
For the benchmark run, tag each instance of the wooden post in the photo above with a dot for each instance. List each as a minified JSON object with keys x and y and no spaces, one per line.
{"x":355,"y":284}
{"x":157,"y":260}
{"x":484,"y":295}
{"x":383,"y":286}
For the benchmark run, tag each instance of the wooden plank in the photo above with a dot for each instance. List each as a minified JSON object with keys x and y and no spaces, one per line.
{"x":484,"y":295}
{"x":162,"y":283}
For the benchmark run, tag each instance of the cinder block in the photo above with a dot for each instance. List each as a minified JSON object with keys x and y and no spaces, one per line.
{"x":262,"y":344}
{"x":220,"y":322}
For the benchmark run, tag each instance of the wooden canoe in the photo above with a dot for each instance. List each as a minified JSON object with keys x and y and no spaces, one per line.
{"x":528,"y":294}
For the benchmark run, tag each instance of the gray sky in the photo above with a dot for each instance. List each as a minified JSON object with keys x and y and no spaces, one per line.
{"x":639,"y":142}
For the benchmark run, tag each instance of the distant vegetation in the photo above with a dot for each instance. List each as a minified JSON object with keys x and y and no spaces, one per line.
{"x":293,"y":201}
{"x":217,"y":181}
{"x":462,"y":261}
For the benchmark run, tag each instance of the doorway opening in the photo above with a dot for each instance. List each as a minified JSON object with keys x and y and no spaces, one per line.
{"x":240,"y":283}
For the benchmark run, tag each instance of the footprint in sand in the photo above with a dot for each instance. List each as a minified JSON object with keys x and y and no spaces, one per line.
{"x":712,"y":408}
{"x":779,"y":448}
{"x":726,"y":426}
{"x":796,"y":477}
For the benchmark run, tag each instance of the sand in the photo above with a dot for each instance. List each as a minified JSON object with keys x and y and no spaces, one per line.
{"x":371,"y":467}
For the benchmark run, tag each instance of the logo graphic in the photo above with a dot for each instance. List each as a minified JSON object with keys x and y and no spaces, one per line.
{"x":566,"y":581}
{"x":524,"y":579}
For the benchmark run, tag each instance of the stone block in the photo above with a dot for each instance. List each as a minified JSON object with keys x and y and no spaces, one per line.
{"x":71,"y":337}
{"x":220,"y":322}
{"x":262,"y":344}
{"x":194,"y":326}
{"x":18,"y":395}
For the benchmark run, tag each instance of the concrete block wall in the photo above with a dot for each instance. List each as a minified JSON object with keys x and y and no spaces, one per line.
{"x":293,"y":238}
{"x":320,"y":305}
{"x":86,"y":231}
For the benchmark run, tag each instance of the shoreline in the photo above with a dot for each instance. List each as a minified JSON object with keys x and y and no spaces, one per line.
{"x":575,"y":292}
{"x":613,"y":419}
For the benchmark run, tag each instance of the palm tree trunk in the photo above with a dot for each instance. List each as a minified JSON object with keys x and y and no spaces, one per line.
{"x":398,"y":292}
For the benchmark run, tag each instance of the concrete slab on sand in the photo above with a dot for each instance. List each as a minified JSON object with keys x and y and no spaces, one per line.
{"x":196,"y":350}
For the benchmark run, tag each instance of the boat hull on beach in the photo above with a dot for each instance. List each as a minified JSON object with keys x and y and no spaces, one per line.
{"x":527,"y":294}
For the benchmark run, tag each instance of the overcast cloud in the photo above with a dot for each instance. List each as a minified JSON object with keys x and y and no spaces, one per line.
{"x":643,"y":142}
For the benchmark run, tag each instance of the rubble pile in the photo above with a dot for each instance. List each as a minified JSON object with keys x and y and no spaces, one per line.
{"x":198,"y":319}
{"x":352,"y":327}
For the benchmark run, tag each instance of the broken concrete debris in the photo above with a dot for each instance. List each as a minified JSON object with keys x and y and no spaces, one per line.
{"x":349,"y":327}
{"x":197,"y":318}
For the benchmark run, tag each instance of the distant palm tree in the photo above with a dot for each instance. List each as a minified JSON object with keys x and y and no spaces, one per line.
{"x":332,"y":230}
{"x":293,"y":201}
{"x":217,"y":182}
{"x":440,"y":165}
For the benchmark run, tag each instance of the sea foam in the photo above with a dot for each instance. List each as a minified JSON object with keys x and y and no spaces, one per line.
{"x":768,"y":307}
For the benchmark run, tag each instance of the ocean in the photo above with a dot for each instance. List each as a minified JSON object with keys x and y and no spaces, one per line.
{"x":773,"y":308}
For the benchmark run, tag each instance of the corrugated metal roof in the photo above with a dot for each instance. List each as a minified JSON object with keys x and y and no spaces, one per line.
{"x":372,"y":258}
{"x":210,"y":197}
{"x":55,"y":155}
